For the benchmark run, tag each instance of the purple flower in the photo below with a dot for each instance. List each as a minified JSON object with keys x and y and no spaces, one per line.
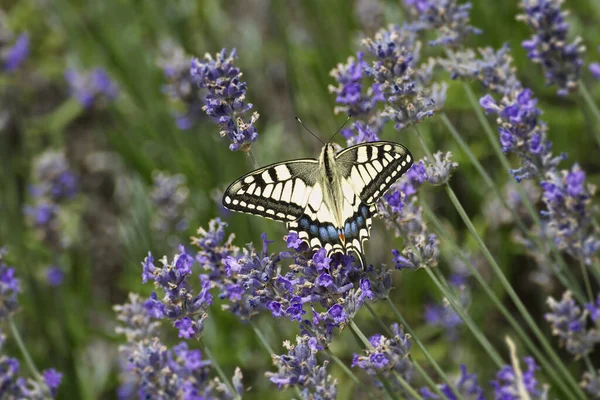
{"x":55,"y":275}
{"x":595,"y":70}
{"x":170,"y":196}
{"x":300,"y":367}
{"x":549,"y":46}
{"x":591,"y":384}
{"x":387,"y":355}
{"x":522,"y":132}
{"x":56,"y":180}
{"x":52,"y":378}
{"x":445,"y":17}
{"x":186,"y":328}
{"x":14,"y":56}
{"x":11,"y":384}
{"x":466,"y":386}
{"x":214,"y":248}
{"x":293,"y":241}
{"x":351,"y":97}
{"x":407,"y":102}
{"x":180,"y":87}
{"x":506,"y":387}
{"x":438,"y":170}
{"x":494,"y":70}
{"x":338,"y":314}
{"x":569,"y":323}
{"x":226,"y":99}
{"x":443,"y":315}
{"x":135,"y":318}
{"x":92,"y":87}
{"x":183,"y":304}
{"x":10,"y":286}
{"x":360,"y":132}
{"x":321,"y":260}
{"x":569,"y":211}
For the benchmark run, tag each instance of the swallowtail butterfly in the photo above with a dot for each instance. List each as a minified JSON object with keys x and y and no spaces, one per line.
{"x":328,"y":202}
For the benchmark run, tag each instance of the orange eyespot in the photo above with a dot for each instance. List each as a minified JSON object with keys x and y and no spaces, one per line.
{"x":342,"y":237}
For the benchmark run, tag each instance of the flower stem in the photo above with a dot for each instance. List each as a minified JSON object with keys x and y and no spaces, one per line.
{"x":220,"y":372}
{"x":586,"y":280}
{"x":551,"y":371}
{"x":24,"y":351}
{"x":416,"y":339}
{"x":442,"y":285}
{"x":558,"y":270}
{"x":589,"y":101}
{"x":509,"y":289}
{"x":485,"y":343}
{"x":261,"y":337}
{"x":493,"y":140}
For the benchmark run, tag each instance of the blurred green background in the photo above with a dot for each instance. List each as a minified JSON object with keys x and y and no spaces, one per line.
{"x":286,"y":50}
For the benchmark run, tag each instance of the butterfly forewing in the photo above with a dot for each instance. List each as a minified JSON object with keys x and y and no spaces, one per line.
{"x":278,"y":191}
{"x":373,"y":167}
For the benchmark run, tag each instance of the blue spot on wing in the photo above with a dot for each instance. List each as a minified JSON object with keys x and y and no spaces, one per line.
{"x":333,"y":233}
{"x":323,"y":235}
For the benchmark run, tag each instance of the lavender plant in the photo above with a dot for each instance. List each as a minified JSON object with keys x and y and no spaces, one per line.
{"x":14,"y":55}
{"x":550,"y":47}
{"x":91,"y":88}
{"x":226,"y":98}
{"x":41,"y":386}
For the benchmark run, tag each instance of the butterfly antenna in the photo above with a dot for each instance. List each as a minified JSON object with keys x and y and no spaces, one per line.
{"x":309,"y":131}
{"x":341,"y":127}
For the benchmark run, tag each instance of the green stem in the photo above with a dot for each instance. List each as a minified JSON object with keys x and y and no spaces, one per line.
{"x":586,"y":280}
{"x":416,"y":339}
{"x":573,"y":285}
{"x":589,"y":101}
{"x":493,"y":140}
{"x":497,"y":302}
{"x":24,"y":351}
{"x":483,"y":341}
{"x":220,"y":372}
{"x":262,"y":338}
{"x":442,"y":285}
{"x":509,"y":289}
{"x":349,"y":372}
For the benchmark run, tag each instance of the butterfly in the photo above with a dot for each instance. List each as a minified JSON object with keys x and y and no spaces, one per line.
{"x":329,"y":203}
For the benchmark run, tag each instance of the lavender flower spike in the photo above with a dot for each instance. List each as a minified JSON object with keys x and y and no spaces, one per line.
{"x":447,"y":18}
{"x":300,"y":367}
{"x":180,"y":303}
{"x":9,"y":288}
{"x":560,"y":60}
{"x":91,"y":88}
{"x":388,"y":356}
{"x":226,"y":99}
{"x":569,"y":202}
{"x":14,"y":56}
{"x":522,"y":132}
{"x":595,"y":68}
{"x":570,"y":324}
{"x":466,"y":386}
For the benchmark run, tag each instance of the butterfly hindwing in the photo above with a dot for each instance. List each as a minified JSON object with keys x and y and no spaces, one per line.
{"x":373,"y":167}
{"x":317,"y":226}
{"x":278,"y":191}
